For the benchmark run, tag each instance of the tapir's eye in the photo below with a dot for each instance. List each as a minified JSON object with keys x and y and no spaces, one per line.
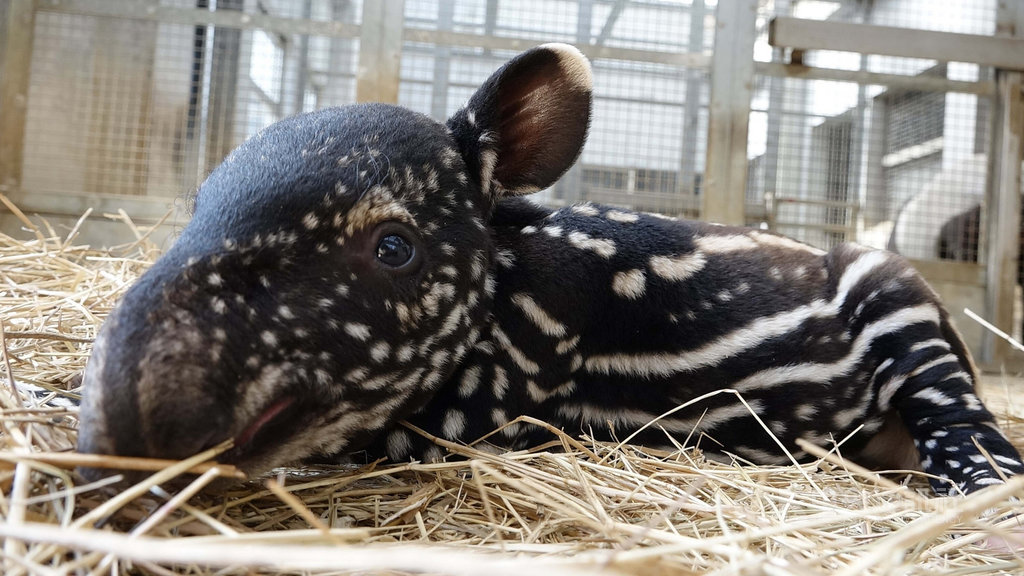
{"x":394,"y":250}
{"x":396,"y":247}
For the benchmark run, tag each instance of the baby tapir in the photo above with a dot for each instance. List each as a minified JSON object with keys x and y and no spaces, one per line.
{"x":353,"y":267}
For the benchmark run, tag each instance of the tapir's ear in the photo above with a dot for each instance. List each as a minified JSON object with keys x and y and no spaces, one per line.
{"x":527,"y":124}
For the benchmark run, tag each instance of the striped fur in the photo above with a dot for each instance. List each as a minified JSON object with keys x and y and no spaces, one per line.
{"x":819,"y":344}
{"x":354,"y":267}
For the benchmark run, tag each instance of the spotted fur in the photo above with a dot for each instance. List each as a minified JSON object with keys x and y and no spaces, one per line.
{"x":279,"y":319}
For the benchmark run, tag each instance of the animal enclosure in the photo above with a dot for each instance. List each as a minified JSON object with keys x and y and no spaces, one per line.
{"x":823,"y":120}
{"x":116,"y":105}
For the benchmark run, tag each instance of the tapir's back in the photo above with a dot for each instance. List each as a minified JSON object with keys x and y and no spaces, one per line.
{"x":605,"y":319}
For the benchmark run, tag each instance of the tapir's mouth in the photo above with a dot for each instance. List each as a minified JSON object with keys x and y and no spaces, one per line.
{"x":268,"y":423}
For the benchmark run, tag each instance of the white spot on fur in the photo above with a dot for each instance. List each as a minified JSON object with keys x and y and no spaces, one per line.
{"x":725,"y":244}
{"x":679,"y":267}
{"x":565,"y":346}
{"x":499,"y":384}
{"x":586,"y":210}
{"x":358,"y":331}
{"x":498,"y":417}
{"x":538,"y":315}
{"x":454,"y":424}
{"x":600,"y":246}
{"x":538,"y":394}
{"x":805,"y":411}
{"x":518,"y":357}
{"x":310,"y":221}
{"x":505,"y":258}
{"x":405,"y":353}
{"x":357,"y":374}
{"x":630,"y":284}
{"x":449,"y":156}
{"x":619,"y":216}
{"x":469,"y":381}
{"x":784,"y":242}
{"x":488,"y":159}
{"x":398,"y":444}
{"x":379,"y":352}
{"x":218,"y":305}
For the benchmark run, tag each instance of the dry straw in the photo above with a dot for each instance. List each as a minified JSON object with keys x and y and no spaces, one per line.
{"x":576,"y":507}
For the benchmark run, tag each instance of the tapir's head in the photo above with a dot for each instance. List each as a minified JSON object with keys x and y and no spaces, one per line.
{"x":336,"y":270}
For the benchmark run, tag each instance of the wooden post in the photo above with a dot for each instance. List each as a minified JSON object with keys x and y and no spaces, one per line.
{"x":1005,"y":158}
{"x":380,"y":51}
{"x":732,"y":74}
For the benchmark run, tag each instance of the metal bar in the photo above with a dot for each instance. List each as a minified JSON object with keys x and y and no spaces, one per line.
{"x":280,"y":25}
{"x":1004,"y":211}
{"x":199,"y":17}
{"x":442,"y":63}
{"x":380,"y":51}
{"x":302,"y":77}
{"x":609,"y":23}
{"x":783,"y":224}
{"x":732,"y":72}
{"x":686,"y":181}
{"x":225,"y":51}
{"x":520,"y":44}
{"x":490,"y":21}
{"x":14,"y":90}
{"x":811,"y":202}
{"x":774,"y":116}
{"x":925,"y":83}
{"x":584,"y":20}
{"x":801,"y":34}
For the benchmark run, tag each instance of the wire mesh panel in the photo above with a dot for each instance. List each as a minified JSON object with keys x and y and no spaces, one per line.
{"x":647,"y":140}
{"x":139,"y":107}
{"x":898,"y":168}
{"x":142,"y":100}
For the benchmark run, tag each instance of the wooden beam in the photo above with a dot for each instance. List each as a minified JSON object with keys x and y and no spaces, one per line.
{"x":801,"y":34}
{"x":1004,"y":211}
{"x":732,"y":75}
{"x":380,"y":51}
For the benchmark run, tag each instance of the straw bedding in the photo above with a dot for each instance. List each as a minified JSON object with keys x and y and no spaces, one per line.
{"x":579,"y":507}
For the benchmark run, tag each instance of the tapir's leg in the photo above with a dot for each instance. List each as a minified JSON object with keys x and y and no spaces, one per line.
{"x":930,"y":382}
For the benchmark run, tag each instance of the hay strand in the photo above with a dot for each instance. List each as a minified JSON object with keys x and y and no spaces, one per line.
{"x":574,"y":507}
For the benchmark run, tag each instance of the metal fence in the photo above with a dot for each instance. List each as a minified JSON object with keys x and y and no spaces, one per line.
{"x":123,"y":104}
{"x":888,"y":166}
